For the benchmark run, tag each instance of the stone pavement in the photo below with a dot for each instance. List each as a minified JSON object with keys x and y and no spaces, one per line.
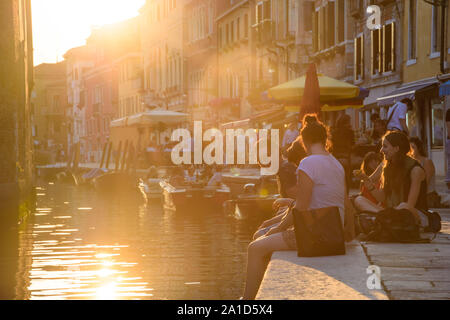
{"x":407,"y":271}
{"x":415,"y":271}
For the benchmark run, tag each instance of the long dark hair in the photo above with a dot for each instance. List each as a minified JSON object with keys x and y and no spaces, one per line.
{"x":420,"y":146}
{"x":394,"y":171}
{"x":313,"y":131}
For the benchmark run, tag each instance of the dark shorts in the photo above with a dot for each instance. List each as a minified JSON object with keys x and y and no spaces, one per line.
{"x":289,"y":238}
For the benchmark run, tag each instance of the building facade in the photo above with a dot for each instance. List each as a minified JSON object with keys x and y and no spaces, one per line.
{"x":50,"y":124}
{"x":78,"y":61}
{"x":422,"y":72}
{"x":235,"y":62}
{"x":200,"y":48}
{"x":16,"y":84}
{"x":164,"y":62}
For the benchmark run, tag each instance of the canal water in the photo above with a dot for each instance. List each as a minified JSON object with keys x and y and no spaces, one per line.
{"x":78,"y":245}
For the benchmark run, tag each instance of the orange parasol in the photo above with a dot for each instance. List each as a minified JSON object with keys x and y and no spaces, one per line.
{"x":311,"y":95}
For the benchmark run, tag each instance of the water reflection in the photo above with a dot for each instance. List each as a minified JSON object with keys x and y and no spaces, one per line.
{"x":79,"y":246}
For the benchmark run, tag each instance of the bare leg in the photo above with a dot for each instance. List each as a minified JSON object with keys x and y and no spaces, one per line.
{"x":259,"y":253}
{"x":262,"y":231}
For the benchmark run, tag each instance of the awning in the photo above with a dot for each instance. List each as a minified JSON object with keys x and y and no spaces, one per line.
{"x":330,"y":89}
{"x":408,"y":91}
{"x":444,"y":89}
{"x":154,"y":117}
{"x":235,"y":124}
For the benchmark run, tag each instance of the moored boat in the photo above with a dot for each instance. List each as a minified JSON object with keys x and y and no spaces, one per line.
{"x":116,"y":183}
{"x":150,"y":189}
{"x":247,"y":206}
{"x":193,"y":196}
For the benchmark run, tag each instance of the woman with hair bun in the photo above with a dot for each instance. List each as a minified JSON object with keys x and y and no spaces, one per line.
{"x":321,"y":179}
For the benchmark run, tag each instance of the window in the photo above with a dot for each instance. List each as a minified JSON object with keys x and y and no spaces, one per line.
{"x":322,"y":30}
{"x":340,"y":23}
{"x":98,"y":94}
{"x":412,"y":29}
{"x":259,"y":12}
{"x":316,"y":31}
{"x":308,"y":11}
{"x":359,"y":58}
{"x":435,"y":29}
{"x":376,"y":53}
{"x":330,"y":24}
{"x":263,"y":11}
{"x":56,"y":102}
{"x":437,"y":118}
{"x":389,"y":47}
{"x":232,"y":31}
{"x":246,"y":25}
{"x":227,"y":34}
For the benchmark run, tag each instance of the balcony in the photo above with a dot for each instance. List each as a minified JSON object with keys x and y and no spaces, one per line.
{"x":383,"y":2}
{"x":356,"y":8}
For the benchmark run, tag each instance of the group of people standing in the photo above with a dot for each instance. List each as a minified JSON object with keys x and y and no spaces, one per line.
{"x":312,"y":176}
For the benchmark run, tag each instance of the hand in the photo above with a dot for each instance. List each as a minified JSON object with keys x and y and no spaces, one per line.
{"x":263,"y":225}
{"x":281,"y":202}
{"x":272,"y":231}
{"x":359,"y":175}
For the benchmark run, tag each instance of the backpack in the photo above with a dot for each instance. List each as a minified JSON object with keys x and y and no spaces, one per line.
{"x":434,"y":221}
{"x":390,"y":225}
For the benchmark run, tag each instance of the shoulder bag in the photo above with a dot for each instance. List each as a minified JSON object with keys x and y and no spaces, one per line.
{"x":319,"y":232}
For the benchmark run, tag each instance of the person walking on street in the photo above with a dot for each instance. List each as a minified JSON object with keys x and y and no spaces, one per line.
{"x":396,"y":120}
{"x":290,"y":135}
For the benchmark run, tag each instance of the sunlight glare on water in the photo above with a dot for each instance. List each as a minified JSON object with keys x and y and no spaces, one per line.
{"x":127,"y":250}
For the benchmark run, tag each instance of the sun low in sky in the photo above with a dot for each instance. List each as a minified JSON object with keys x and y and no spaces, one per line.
{"x":59,"y":25}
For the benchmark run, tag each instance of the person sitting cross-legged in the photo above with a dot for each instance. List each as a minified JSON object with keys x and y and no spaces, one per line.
{"x":404,"y":182}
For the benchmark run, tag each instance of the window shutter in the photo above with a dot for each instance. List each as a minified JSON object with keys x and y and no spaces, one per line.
{"x":383,"y":54}
{"x":355,"y":59}
{"x":315,"y":31}
{"x":362,"y":56}
{"x":393,"y":47}
{"x":380,"y":50}
{"x":373,"y":52}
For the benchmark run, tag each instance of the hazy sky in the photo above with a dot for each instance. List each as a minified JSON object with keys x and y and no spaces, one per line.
{"x":59,"y":25}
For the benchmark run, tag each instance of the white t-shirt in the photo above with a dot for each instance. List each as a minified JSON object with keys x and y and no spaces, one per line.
{"x":400,"y":109}
{"x":328,"y":177}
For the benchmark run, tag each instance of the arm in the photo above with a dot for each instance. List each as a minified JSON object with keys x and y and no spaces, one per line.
{"x":447,"y":123}
{"x":369,"y":183}
{"x":430,"y":170}
{"x":376,"y":175}
{"x":404,"y":126}
{"x":302,"y":203}
{"x":417,"y":176}
{"x":274,"y":220}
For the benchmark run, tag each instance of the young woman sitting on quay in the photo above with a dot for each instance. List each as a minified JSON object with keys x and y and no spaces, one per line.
{"x":403,"y":179}
{"x":418,"y":152}
{"x":287,"y":185}
{"x":322,"y":181}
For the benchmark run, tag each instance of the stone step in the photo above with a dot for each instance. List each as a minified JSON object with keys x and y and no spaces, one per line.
{"x":324,"y":278}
